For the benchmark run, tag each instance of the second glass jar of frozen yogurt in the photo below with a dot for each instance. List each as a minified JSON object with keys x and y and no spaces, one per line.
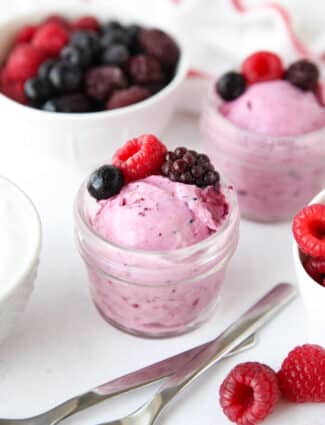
{"x":270,"y":142}
{"x":157,"y":292}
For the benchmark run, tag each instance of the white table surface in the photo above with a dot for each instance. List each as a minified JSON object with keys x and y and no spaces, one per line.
{"x":63,"y":347}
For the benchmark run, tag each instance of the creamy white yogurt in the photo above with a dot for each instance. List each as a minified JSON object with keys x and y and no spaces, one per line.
{"x":19,"y":235}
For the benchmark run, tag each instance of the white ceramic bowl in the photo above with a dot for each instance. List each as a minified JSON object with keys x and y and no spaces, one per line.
{"x":313,"y":295}
{"x":81,"y":140}
{"x":20,"y":230}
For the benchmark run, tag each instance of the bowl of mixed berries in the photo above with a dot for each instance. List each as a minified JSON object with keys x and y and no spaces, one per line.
{"x":85,"y":81}
{"x":309,"y":257}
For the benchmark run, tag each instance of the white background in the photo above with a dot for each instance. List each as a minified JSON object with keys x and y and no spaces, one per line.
{"x":63,"y":347}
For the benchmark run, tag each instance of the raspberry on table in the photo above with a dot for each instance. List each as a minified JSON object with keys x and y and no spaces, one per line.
{"x":160,"y":45}
{"x":25,"y":34}
{"x":309,"y":230}
{"x":126,"y":97}
{"x":86,"y":23}
{"x":102,"y":80}
{"x":249,"y":393}
{"x":262,"y":66}
{"x":140,"y":157}
{"x":24,"y":61}
{"x":51,"y":38}
{"x":302,"y":375}
{"x":145,"y":69}
{"x":303,"y":74}
{"x":309,"y":264}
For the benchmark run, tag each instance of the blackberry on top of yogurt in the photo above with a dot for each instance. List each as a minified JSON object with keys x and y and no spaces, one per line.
{"x":58,"y":58}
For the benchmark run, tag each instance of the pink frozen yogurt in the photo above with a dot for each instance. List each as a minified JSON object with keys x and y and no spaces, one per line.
{"x":270,"y":144}
{"x":276,"y":108}
{"x":158,"y":214}
{"x":166,"y":249}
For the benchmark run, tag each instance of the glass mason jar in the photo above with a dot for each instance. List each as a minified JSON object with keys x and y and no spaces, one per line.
{"x":274,"y":176}
{"x":156,"y":293}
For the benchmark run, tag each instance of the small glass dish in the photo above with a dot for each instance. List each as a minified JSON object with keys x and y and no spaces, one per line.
{"x":274,"y":176}
{"x":156,"y":294}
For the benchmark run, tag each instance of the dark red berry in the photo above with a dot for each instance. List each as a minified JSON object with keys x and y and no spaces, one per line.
{"x":262,"y":66}
{"x":105,"y":182}
{"x":126,"y":97}
{"x":189,"y":167}
{"x":102,"y":80}
{"x":312,"y":270}
{"x":230,"y":86}
{"x":303,"y":74}
{"x":160,"y":45}
{"x":145,"y":69}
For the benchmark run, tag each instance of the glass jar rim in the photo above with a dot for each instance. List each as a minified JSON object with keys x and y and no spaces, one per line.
{"x":82,"y":222}
{"x":215,"y":101}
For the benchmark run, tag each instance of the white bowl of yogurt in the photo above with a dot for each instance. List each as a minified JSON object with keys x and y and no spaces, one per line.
{"x":20,"y":244}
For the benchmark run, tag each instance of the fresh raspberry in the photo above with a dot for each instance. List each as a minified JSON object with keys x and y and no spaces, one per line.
{"x":145,"y":69}
{"x":160,"y":45}
{"x":309,"y":230}
{"x":51,"y":38}
{"x":88,"y":23}
{"x":262,"y":66}
{"x":14,"y":89}
{"x":302,"y":374}
{"x":249,"y":393}
{"x":140,"y":157}
{"x":127,"y":97}
{"x":25,"y":34}
{"x":57,"y":19}
{"x":23,"y":62}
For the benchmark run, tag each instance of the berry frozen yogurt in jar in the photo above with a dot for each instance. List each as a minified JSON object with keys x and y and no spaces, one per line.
{"x":264,"y":128}
{"x":156,"y":230}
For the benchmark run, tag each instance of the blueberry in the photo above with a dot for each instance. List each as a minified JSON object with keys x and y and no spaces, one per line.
{"x":303,"y":74}
{"x":105,"y":182}
{"x":66,"y":77}
{"x":76,"y":102}
{"x":231,"y":85}
{"x":119,"y":35}
{"x":112,"y":25}
{"x":77,"y":56}
{"x":115,"y":54}
{"x":37,"y":89}
{"x":88,"y":40}
{"x":45,"y":68}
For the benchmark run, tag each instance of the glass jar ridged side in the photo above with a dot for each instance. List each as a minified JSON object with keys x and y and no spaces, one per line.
{"x":274,"y":176}
{"x":156,"y":294}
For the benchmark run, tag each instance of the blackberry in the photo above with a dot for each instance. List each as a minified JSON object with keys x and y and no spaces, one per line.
{"x":189,"y":167}
{"x":100,"y":82}
{"x":126,"y":97}
{"x":231,"y":85}
{"x":145,"y":69}
{"x":303,"y":74}
{"x":105,"y":182}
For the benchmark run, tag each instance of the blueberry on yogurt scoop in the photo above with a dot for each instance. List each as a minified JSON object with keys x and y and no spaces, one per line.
{"x":231,"y":85}
{"x":105,"y":182}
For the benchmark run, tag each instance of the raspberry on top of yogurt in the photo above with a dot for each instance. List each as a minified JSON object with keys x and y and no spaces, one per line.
{"x":154,"y":199}
{"x":266,"y":98}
